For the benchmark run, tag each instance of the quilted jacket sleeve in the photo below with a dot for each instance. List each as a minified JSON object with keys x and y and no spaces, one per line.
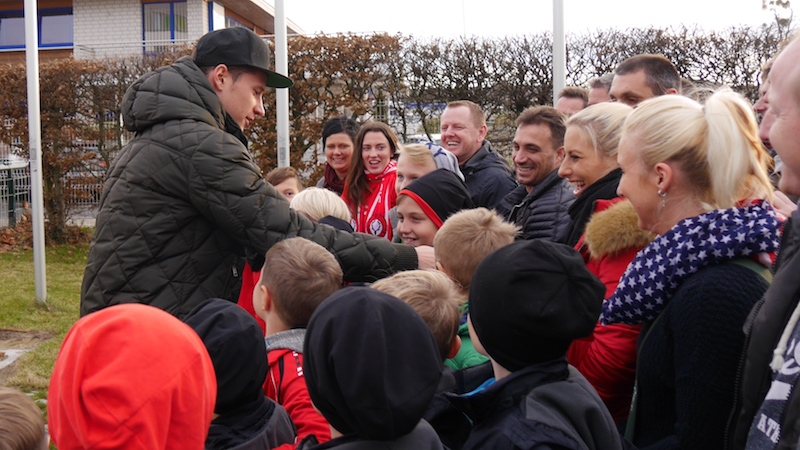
{"x":227,"y":188}
{"x":547,"y":217}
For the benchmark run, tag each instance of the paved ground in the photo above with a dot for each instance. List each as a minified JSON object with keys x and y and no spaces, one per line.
{"x":14,"y":344}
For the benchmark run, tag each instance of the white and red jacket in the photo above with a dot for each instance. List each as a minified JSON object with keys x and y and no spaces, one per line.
{"x":371,"y":216}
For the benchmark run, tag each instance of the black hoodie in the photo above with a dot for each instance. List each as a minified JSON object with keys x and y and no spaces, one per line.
{"x":372,"y":367}
{"x":234,"y":341}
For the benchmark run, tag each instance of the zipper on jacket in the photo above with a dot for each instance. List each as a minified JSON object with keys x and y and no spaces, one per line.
{"x":737,"y":381}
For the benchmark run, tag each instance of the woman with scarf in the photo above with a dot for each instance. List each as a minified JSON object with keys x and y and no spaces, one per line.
{"x":369,"y":187}
{"x":338,"y":136}
{"x":607,"y":357}
{"x":696,"y":176}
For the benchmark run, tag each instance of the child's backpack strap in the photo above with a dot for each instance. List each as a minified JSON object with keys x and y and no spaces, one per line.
{"x":756,"y":267}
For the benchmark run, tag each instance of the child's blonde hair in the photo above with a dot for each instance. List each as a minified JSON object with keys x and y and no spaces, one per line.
{"x":21,"y":422}
{"x":434,"y":296}
{"x":418,"y":154}
{"x":299,"y":274}
{"x":317,"y":203}
{"x":466,"y":238}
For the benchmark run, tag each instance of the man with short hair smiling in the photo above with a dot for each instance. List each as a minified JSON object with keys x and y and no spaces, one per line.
{"x":184,"y":199}
{"x":487,"y":176}
{"x":540,"y":204}
{"x":644,"y":76}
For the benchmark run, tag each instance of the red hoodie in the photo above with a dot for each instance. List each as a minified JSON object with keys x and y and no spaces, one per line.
{"x":131,"y":376}
{"x":286,"y":384}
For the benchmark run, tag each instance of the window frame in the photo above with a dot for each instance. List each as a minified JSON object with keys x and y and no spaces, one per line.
{"x":172,"y":25}
{"x":42,"y":12}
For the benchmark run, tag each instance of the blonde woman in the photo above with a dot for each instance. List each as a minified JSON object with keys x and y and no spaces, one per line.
{"x":607,"y":358}
{"x":696,"y":176}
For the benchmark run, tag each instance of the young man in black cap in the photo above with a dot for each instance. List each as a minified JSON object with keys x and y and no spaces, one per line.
{"x":527,"y":302}
{"x":184,"y":198}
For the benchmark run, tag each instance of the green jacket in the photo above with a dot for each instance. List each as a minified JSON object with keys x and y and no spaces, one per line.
{"x":184,"y":199}
{"x":467,"y":356}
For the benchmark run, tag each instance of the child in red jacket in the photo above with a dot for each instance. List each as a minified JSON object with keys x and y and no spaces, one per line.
{"x":298,"y":275}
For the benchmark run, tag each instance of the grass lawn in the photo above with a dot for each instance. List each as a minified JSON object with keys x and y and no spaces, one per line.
{"x":19,"y":310}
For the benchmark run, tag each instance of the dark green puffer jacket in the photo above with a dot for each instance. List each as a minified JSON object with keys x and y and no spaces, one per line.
{"x":184,"y":199}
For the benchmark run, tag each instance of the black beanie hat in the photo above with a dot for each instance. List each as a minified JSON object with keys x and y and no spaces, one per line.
{"x":371,"y":364}
{"x":440,"y":194}
{"x":336,"y":125}
{"x":236,"y":345}
{"x":529,"y":300}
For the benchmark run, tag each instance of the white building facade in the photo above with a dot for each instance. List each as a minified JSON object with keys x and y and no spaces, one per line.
{"x":90,"y":29}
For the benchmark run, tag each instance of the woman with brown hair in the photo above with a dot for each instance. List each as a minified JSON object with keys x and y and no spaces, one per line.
{"x":369,"y":187}
{"x":338,"y":136}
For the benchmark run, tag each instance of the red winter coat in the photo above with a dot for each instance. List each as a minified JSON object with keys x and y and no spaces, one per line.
{"x":249,"y":281}
{"x":607,"y":358}
{"x":286,"y":384}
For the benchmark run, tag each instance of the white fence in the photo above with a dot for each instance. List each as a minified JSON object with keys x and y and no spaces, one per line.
{"x":15,"y":190}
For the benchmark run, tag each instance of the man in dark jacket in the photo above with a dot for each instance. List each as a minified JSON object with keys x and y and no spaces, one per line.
{"x":487,"y":175}
{"x":184,"y":198}
{"x":540,"y":204}
{"x":770,"y":415}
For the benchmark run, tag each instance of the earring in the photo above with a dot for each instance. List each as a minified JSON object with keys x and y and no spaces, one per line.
{"x":663,"y":196}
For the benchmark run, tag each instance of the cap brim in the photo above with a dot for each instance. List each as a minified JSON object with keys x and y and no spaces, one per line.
{"x":276,"y":80}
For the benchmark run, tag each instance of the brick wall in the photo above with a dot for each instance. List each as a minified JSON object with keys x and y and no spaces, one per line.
{"x":197,"y":11}
{"x":105,"y":28}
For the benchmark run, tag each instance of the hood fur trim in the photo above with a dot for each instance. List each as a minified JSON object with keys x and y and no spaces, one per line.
{"x":615,"y":229}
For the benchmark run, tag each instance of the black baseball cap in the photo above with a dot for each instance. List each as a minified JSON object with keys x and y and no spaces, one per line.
{"x":238,"y":47}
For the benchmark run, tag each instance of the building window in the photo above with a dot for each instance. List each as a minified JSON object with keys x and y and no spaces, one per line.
{"x":230,"y":22}
{"x":165,"y":24}
{"x":55,"y":28}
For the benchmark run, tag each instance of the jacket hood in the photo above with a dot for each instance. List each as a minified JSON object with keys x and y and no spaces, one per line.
{"x":480,"y":161}
{"x":289,"y":339}
{"x":371,"y":364}
{"x":131,"y":376}
{"x":233,"y":339}
{"x":614,"y":227}
{"x":176,"y":92}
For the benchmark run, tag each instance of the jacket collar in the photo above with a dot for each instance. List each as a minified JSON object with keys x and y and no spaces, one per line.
{"x":509,"y":391}
{"x":474,"y":162}
{"x":289,"y":339}
{"x":520,"y":197}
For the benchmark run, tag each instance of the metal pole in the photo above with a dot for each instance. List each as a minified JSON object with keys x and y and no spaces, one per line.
{"x":35,"y":144}
{"x":559,"y":49}
{"x":282,"y":95}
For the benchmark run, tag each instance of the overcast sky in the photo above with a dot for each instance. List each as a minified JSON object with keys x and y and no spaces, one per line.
{"x":452,"y":18}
